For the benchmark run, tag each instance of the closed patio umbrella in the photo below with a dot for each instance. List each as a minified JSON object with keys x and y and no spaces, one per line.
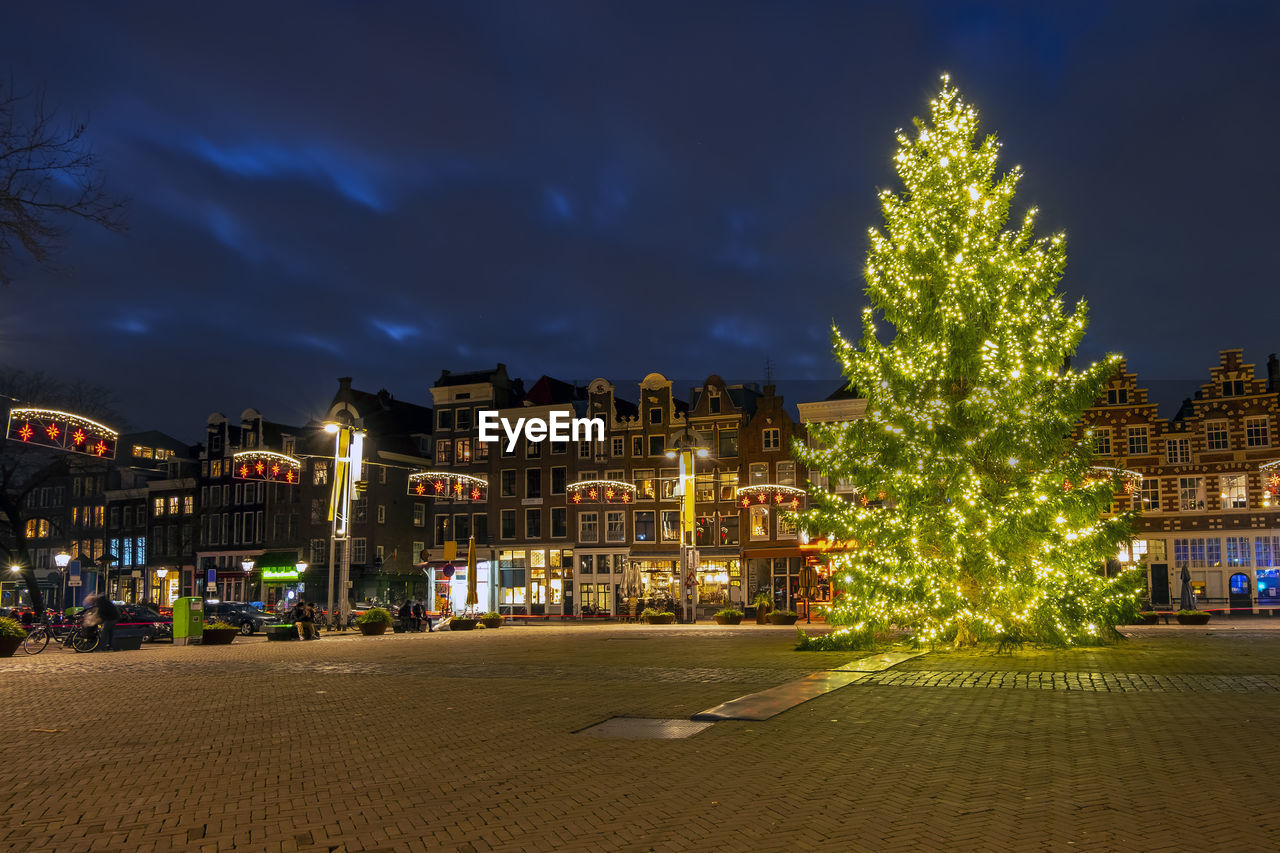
{"x":473,"y":597}
{"x":1187,"y":601}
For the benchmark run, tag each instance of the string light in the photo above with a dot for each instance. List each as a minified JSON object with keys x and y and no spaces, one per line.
{"x":989,"y":518}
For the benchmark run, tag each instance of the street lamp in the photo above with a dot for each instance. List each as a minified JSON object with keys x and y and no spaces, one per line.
{"x":162,"y":574}
{"x":62,"y":559}
{"x":689,"y":450}
{"x":247,"y":566}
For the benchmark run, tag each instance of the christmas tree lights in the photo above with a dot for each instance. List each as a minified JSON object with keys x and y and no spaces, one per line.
{"x":965,"y":528}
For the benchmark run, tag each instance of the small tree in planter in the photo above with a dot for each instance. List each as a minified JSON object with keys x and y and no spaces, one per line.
{"x":463,"y":623}
{"x":491,"y":620}
{"x":374,"y":621}
{"x":219,"y":634}
{"x":729,"y":616}
{"x":763,"y":605}
{"x":1193,"y":617}
{"x":11,"y":636}
{"x":783,"y":617}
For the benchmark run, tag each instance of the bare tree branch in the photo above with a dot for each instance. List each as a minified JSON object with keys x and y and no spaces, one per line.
{"x":48,"y":173}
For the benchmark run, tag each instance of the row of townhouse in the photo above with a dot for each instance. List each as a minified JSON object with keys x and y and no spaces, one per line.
{"x":165,"y":519}
{"x":1208,"y":495}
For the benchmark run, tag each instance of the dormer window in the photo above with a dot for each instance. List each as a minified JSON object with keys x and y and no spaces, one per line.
{"x":1117,"y":396}
{"x":655,"y":415}
{"x":713,"y":401}
{"x":1233,"y":387}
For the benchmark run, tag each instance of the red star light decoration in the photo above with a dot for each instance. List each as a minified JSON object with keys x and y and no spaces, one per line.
{"x":100,"y":449}
{"x":259,"y":467}
{"x":78,"y":437}
{"x":244,"y":471}
{"x":420,"y":489}
{"x":25,"y":432}
{"x":52,"y":431}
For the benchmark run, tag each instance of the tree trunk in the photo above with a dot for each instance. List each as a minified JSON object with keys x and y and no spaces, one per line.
{"x":964,"y":637}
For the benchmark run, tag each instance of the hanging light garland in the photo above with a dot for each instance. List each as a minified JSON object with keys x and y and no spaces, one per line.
{"x":62,"y":431}
{"x":1131,"y":481}
{"x":769,"y":494}
{"x":1270,"y":483}
{"x":267,"y":466}
{"x":600,"y":491}
{"x":448,"y":484}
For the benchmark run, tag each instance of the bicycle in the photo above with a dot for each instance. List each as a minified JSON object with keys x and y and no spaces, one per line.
{"x":36,"y":641}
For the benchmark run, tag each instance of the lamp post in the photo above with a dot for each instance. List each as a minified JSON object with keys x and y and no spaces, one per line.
{"x":162,"y":574}
{"x":246,"y":566}
{"x":348,"y":459}
{"x":687,"y":448}
{"x":15,"y":570}
{"x":62,"y":559}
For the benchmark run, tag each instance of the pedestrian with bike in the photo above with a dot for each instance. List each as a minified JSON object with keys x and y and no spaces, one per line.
{"x":104,"y":614}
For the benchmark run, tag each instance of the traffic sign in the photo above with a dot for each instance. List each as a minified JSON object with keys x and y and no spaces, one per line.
{"x":74,"y":581}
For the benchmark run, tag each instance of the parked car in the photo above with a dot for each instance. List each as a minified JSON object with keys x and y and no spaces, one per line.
{"x":154,"y":627}
{"x":250,"y":619}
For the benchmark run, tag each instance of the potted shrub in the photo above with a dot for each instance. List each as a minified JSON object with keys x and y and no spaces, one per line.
{"x":763,"y":605}
{"x":1193,"y":617}
{"x":783,"y":617}
{"x":463,"y":623}
{"x":491,"y":620}
{"x":657,"y":617}
{"x":729,"y":616}
{"x":374,"y":621}
{"x":11,"y":636}
{"x":219,"y":634}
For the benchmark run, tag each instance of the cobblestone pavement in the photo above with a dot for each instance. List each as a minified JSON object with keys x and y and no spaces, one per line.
{"x":464,"y":741}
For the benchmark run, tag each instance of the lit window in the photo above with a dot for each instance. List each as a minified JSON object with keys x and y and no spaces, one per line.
{"x":759,"y":522}
{"x":1190,"y":493}
{"x":1233,"y":492}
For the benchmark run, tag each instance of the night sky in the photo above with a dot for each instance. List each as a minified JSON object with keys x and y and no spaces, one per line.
{"x":603,"y":189}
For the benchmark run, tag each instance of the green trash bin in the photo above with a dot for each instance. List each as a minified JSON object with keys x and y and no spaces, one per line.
{"x":188,"y":620}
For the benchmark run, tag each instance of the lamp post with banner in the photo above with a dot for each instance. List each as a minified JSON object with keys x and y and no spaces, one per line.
{"x":348,"y":462}
{"x":687,"y":448}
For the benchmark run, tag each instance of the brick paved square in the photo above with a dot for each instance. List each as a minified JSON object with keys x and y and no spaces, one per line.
{"x":464,"y":741}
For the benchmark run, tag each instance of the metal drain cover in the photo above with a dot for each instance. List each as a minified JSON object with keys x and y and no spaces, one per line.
{"x":645,"y":727}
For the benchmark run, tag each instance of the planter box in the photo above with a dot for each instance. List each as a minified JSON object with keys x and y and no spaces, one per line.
{"x":783,"y":618}
{"x":9,"y":645}
{"x":662,"y":619}
{"x":456,"y":624}
{"x":1193,"y":618}
{"x":491,"y":622}
{"x":372,"y":629}
{"x":222,"y":637}
{"x":130,"y":643}
{"x":728,"y":620}
{"x":1148,"y":619}
{"x":280,"y":633}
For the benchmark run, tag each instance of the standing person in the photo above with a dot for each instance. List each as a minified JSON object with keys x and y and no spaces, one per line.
{"x":417,"y":615}
{"x":406,"y":615}
{"x":309,"y":622}
{"x":103,"y":613}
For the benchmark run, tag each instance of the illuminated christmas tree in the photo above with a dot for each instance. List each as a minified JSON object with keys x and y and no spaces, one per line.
{"x":976,"y":515}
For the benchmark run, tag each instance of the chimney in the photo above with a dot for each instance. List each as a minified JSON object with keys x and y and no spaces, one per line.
{"x":344,"y":383}
{"x":1273,"y":374}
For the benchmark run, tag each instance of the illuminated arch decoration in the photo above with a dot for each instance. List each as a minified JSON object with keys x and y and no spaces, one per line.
{"x":267,"y":466}
{"x":62,"y":431}
{"x":1270,"y":483}
{"x":600,"y":491}
{"x":770,"y":494}
{"x":448,"y":484}
{"x":1131,"y":480}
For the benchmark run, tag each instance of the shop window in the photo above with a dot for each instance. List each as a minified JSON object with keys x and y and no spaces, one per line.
{"x":1268,"y":586}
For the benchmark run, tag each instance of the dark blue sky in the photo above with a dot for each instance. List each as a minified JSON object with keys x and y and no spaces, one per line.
{"x":384,"y":190}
